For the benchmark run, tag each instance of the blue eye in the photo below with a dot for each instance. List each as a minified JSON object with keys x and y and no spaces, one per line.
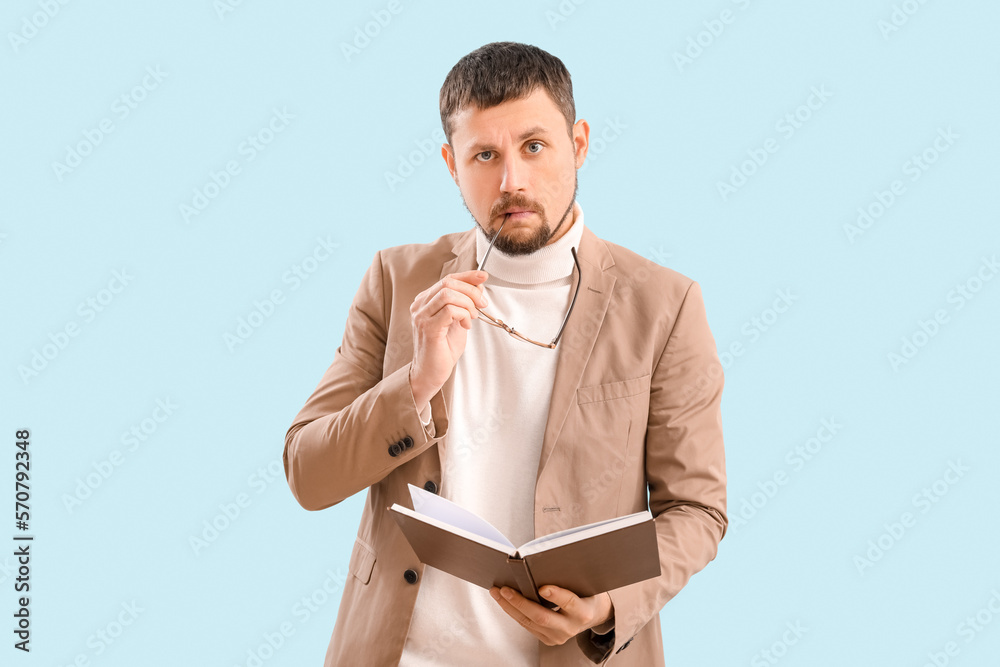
{"x":535,"y":143}
{"x":480,"y":156}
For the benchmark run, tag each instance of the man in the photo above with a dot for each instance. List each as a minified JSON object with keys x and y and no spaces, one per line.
{"x":567,"y":382}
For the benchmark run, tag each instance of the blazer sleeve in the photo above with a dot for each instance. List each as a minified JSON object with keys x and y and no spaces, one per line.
{"x":685,"y":470}
{"x":358,"y":425}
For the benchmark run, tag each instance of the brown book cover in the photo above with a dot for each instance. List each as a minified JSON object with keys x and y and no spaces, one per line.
{"x":587,"y":560}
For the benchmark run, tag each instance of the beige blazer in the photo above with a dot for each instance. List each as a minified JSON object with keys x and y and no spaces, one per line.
{"x":635,"y":407}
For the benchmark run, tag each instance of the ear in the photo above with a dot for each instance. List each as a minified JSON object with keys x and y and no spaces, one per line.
{"x":449,"y":159}
{"x":581,"y":141}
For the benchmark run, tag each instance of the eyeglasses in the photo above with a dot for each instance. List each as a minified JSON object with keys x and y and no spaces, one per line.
{"x":489,"y":319}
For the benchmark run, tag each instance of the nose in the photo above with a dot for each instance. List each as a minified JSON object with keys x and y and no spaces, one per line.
{"x":514,"y":174}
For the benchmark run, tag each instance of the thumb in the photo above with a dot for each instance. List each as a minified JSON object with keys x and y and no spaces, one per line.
{"x":566,"y":599}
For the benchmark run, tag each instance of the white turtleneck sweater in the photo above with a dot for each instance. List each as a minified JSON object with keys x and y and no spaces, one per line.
{"x":498,"y":412}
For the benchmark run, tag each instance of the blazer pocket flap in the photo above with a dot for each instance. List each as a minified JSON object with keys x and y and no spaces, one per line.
{"x":362,"y":561}
{"x":612,"y":390}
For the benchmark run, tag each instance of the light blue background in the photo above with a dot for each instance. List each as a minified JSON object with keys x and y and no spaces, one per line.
{"x":654,"y":189}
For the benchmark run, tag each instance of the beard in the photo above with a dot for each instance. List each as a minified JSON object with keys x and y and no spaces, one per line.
{"x":539,"y":237}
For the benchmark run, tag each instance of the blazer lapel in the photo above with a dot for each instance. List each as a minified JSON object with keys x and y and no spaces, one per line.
{"x":577,"y":342}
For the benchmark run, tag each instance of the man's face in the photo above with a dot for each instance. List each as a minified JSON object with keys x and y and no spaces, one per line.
{"x":516,"y":164}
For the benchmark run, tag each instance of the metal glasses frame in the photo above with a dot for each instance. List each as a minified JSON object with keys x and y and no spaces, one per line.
{"x":489,"y":319}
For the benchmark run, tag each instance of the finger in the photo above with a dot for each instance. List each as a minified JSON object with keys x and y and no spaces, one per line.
{"x":510,"y":608}
{"x":469,"y":283}
{"x":473,"y":277}
{"x":442,"y":320}
{"x":533,"y":617}
{"x":566,"y":600}
{"x":449,"y":297}
{"x":466,"y":282}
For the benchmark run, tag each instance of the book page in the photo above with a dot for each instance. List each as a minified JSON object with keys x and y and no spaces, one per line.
{"x":434,"y":506}
{"x":446,"y":533}
{"x":582,"y":532}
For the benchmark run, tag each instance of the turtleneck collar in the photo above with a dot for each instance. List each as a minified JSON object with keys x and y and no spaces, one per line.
{"x":546,"y":264}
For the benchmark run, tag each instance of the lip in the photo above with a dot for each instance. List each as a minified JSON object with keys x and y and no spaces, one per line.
{"x":518,"y":213}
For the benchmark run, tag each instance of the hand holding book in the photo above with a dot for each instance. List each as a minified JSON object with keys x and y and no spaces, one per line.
{"x":554,"y":627}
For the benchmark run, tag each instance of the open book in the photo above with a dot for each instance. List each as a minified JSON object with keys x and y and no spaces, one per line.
{"x":587,"y":559}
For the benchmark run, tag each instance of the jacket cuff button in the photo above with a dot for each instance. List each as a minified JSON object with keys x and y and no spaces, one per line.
{"x":407,"y":442}
{"x":431,"y":486}
{"x":395,"y":449}
{"x":410,"y":576}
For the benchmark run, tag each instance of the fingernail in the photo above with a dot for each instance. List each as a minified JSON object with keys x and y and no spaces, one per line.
{"x":507,"y":593}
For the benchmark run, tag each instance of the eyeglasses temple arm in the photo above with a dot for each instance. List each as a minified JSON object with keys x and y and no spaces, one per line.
{"x":573,"y":302}
{"x":490,"y":247}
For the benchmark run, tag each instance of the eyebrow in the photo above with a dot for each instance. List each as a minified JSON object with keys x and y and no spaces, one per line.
{"x":537,"y":130}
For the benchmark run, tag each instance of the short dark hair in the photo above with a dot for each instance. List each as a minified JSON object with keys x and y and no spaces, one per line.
{"x":503,"y":71}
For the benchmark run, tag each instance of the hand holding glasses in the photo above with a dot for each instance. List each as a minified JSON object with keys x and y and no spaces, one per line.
{"x":489,"y":319}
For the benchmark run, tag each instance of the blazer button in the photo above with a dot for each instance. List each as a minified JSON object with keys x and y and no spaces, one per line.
{"x":395,"y":449}
{"x":407,"y":442}
{"x":431,"y":486}
{"x":411,"y":578}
